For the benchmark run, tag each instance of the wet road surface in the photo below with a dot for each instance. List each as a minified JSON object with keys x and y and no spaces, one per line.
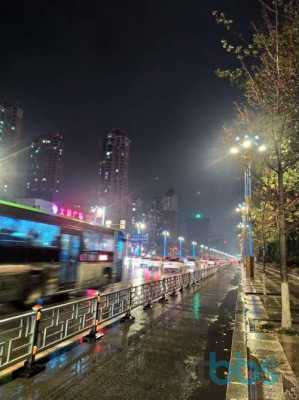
{"x":163,"y":354}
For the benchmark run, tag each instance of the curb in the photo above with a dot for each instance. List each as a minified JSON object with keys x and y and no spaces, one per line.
{"x":235,"y":389}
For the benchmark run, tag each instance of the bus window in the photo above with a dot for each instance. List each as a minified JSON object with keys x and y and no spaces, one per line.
{"x":16,"y":232}
{"x":69,"y":257}
{"x":25,"y":241}
{"x":94,"y":241}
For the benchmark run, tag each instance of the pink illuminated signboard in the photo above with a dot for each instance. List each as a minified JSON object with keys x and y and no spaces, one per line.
{"x":67,"y":212}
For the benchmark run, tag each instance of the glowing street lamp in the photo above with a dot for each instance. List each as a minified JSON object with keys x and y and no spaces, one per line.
{"x":262,"y":148}
{"x":242,"y":209}
{"x":165,"y":235}
{"x":194,"y":244}
{"x":181,"y":240}
{"x":246,"y":146}
{"x":234,"y":150}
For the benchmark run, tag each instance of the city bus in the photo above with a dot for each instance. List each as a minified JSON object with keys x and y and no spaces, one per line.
{"x":42,"y":255}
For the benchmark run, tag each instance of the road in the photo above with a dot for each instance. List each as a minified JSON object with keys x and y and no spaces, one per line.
{"x":163,"y":354}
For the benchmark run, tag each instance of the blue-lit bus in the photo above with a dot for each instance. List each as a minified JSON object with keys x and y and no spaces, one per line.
{"x":42,"y":255}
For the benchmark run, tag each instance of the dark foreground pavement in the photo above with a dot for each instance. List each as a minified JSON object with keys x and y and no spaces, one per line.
{"x":163,"y":354}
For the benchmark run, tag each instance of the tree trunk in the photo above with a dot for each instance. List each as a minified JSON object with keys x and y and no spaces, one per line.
{"x":286,"y":319}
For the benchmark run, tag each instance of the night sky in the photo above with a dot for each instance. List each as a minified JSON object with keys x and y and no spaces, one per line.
{"x":85,"y":67}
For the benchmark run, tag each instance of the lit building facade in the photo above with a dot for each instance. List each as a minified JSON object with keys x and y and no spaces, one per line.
{"x":154,"y":227}
{"x":114,"y":179}
{"x":135,"y":212}
{"x":11,"y":117}
{"x":45,"y":167}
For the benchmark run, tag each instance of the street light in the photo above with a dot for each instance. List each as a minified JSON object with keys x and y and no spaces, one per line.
{"x":242,"y":209}
{"x":165,"y":235}
{"x":234,"y":150}
{"x":208,"y":252}
{"x":246,"y":147}
{"x":140,"y":227}
{"x":262,"y":148}
{"x":194,"y":244}
{"x":202,"y":246}
{"x":181,"y":240}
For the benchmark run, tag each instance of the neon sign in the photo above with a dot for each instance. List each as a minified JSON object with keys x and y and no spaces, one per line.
{"x":67,"y":212}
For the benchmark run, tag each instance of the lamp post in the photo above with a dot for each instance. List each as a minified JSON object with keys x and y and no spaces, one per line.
{"x":181,"y":240}
{"x":202,"y":246}
{"x":208,"y":252}
{"x":246,"y":147}
{"x":140,"y":228}
{"x":194,"y":244}
{"x":243,"y":210}
{"x":165,"y":235}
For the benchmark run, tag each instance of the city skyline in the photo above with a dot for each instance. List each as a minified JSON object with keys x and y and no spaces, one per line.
{"x":34,"y":189}
{"x":158,"y":87}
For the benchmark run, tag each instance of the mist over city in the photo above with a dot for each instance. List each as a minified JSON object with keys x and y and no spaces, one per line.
{"x":149,"y":199}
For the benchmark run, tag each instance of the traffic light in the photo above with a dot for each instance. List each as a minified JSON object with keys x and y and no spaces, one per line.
{"x":198,"y":215}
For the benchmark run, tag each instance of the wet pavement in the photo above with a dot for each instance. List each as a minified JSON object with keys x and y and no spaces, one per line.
{"x":163,"y":354}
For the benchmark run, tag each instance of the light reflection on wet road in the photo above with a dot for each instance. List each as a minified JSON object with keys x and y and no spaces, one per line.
{"x":163,"y":354}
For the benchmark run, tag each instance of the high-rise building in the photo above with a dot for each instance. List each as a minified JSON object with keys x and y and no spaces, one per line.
{"x":154,"y":228}
{"x":114,"y":183}
{"x":11,"y":117}
{"x":136,"y":212}
{"x":45,"y":167}
{"x":169,"y":207}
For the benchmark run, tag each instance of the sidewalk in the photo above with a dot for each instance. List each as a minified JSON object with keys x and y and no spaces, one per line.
{"x":260,"y":315}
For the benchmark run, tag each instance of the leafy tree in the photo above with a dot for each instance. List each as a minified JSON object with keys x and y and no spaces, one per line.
{"x":268,"y":75}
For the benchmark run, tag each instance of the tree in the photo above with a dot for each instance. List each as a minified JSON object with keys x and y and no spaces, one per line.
{"x":268,"y":76}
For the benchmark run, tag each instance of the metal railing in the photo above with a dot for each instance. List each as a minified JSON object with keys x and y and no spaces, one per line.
{"x":16,"y":338}
{"x":23,"y":337}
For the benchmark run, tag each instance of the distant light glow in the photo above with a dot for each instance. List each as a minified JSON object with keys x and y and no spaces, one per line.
{"x":234,"y":150}
{"x":198,"y":216}
{"x":54,"y":209}
{"x":247,"y":144}
{"x":262,"y":148}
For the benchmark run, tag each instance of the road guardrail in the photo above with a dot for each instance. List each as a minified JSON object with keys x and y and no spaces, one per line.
{"x":30,"y":335}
